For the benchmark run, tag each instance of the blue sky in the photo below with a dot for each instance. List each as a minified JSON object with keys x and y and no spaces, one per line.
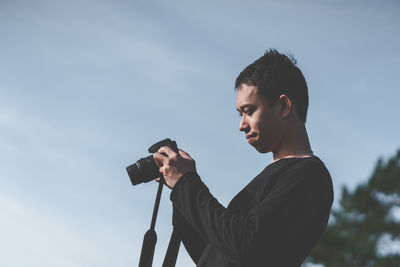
{"x":87,"y":86}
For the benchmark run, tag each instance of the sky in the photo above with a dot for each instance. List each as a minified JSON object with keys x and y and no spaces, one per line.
{"x":87,"y":86}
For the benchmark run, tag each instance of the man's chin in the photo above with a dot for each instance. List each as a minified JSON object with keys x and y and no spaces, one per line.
{"x":261,"y":149}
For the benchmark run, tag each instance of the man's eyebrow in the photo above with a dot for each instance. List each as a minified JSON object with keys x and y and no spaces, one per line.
{"x":244,"y":106}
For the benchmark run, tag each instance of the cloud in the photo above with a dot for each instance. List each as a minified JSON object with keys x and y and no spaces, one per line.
{"x":33,"y":236}
{"x":26,"y":135}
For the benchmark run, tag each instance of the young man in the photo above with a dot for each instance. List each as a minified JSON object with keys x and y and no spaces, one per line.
{"x":280,"y":215}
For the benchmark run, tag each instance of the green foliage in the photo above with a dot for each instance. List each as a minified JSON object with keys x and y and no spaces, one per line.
{"x":351,"y":238}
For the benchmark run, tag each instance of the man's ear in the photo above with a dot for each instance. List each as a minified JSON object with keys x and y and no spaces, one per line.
{"x":286,"y":105}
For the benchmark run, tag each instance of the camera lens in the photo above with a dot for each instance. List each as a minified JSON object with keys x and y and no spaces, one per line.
{"x":143,"y":171}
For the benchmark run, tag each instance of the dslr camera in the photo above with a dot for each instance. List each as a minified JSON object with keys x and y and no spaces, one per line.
{"x":146,"y":169}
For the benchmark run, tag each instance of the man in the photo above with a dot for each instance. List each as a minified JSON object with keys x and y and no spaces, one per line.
{"x":280,"y":215}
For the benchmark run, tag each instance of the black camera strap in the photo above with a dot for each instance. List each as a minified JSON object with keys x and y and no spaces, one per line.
{"x":150,"y":239}
{"x":173,"y":249}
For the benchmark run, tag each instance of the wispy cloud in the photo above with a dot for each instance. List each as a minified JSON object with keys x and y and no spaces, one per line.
{"x":34,"y":236}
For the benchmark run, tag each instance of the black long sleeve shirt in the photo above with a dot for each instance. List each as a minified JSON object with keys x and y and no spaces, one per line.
{"x":274,"y":221}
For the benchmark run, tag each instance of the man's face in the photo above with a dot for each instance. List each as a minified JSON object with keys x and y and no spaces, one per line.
{"x":262,"y":124}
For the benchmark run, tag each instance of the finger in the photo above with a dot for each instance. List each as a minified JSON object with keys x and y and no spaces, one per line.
{"x":184,"y":154}
{"x":167,"y":150}
{"x":159,"y":159}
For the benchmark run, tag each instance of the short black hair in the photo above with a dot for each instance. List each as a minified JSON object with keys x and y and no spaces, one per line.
{"x":275,"y":74}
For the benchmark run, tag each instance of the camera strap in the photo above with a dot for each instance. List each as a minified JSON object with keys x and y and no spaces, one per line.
{"x":173,"y":249}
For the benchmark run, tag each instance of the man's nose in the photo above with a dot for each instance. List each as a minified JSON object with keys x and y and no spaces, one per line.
{"x":243,"y":125}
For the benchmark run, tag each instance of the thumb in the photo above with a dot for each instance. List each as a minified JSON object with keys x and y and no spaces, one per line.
{"x":157,"y":160}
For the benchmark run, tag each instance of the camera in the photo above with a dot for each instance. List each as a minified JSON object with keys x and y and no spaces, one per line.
{"x":146,"y":169}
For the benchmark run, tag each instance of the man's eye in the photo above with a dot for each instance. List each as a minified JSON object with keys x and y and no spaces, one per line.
{"x":248,"y":111}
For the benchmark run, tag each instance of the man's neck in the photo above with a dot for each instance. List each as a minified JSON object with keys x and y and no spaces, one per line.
{"x":294,"y":143}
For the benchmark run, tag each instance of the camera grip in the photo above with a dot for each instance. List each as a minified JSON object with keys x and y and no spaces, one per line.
{"x":166,"y":142}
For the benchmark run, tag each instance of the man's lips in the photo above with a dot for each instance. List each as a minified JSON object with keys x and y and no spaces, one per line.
{"x":250,"y":138}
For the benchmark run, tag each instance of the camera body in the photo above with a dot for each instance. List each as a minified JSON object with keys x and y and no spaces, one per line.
{"x":146,"y":169}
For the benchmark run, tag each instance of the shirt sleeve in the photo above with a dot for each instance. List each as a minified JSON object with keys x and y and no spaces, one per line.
{"x":239,"y":236}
